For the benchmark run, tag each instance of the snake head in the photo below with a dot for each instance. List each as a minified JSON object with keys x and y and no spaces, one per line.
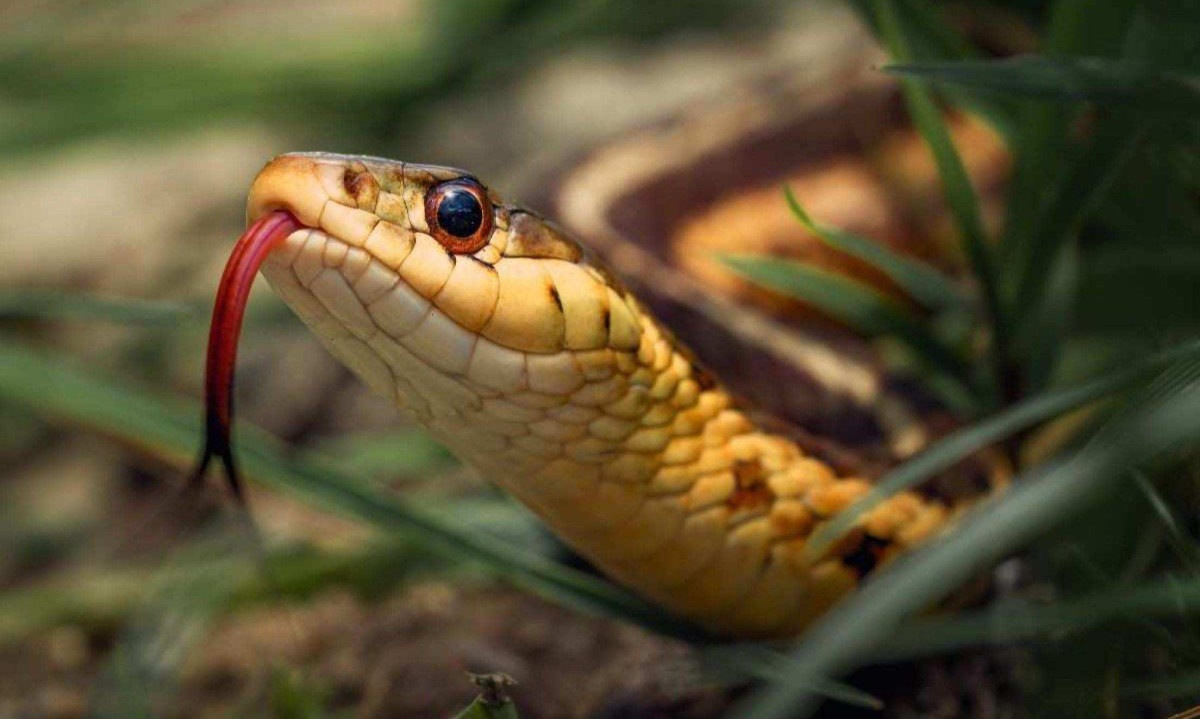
{"x":433,"y":289}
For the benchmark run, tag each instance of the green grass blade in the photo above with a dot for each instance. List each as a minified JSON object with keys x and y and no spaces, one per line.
{"x":1074,"y":27}
{"x":1184,"y":546}
{"x":1181,"y":684}
{"x":1050,"y":321}
{"x":931,"y":38}
{"x":171,"y":429}
{"x":1125,"y":84}
{"x":102,"y":599}
{"x":965,"y":442}
{"x":58,"y":305}
{"x":921,"y":281}
{"x":855,"y":304}
{"x":1070,"y":201}
{"x":739,"y":662}
{"x":956,"y":184}
{"x":1019,"y":621}
{"x":397,"y":454}
{"x":1166,"y":420}
{"x":1119,"y":288}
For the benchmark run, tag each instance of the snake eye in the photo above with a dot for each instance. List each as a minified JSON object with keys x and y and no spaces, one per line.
{"x":459,"y":215}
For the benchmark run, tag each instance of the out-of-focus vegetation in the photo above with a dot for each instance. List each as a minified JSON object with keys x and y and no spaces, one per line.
{"x":1089,"y":293}
{"x":1102,"y":127}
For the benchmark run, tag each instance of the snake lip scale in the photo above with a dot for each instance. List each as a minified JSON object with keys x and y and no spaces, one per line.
{"x":523,"y":353}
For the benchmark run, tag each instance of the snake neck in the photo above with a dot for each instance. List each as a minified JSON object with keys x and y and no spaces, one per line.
{"x":652,"y":471}
{"x":638,"y":458}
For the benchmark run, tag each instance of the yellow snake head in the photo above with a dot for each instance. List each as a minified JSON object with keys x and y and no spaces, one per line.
{"x":438,"y":293}
{"x":521,"y":353}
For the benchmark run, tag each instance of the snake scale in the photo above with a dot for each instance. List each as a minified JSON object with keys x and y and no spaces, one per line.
{"x":523,"y":353}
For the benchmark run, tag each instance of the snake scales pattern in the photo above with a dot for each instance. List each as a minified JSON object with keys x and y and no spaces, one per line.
{"x":525,"y":355}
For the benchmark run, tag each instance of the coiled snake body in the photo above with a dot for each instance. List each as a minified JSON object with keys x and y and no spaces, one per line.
{"x":520,"y":351}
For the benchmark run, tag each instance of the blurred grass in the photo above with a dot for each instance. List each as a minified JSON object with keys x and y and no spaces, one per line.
{"x":360,"y":86}
{"x":63,"y":305}
{"x":1102,"y":105}
{"x":168,"y":428}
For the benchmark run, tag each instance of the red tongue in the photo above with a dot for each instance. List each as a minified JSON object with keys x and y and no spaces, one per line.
{"x":230,"y":307}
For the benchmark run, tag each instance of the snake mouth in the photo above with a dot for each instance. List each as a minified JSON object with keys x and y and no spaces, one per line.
{"x":346,"y":242}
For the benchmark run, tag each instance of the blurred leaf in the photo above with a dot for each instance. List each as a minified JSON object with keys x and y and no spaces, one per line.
{"x":984,"y":433}
{"x":1166,"y":418}
{"x":178,"y":604}
{"x":1121,"y":286}
{"x":1041,"y":138}
{"x":396,"y":454}
{"x":105,"y":598}
{"x":294,"y":698}
{"x":58,"y":304}
{"x":171,"y":429}
{"x":919,"y":280}
{"x":1185,"y":547}
{"x":1123,"y":84}
{"x":1017,"y":620}
{"x":956,"y":184}
{"x":859,"y":306}
{"x":1049,"y":322}
{"x":739,"y":662}
{"x":1180,"y":684}
{"x":931,"y":38}
{"x":1080,"y":187}
{"x":351,"y":86}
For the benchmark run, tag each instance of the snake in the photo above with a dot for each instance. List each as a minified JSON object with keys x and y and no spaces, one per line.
{"x":523,"y":352}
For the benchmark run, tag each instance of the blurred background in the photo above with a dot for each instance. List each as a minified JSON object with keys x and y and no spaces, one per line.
{"x":129,"y":132}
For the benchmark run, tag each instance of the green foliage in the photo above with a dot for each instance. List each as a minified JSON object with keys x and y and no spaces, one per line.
{"x":1162,"y":420}
{"x":1096,"y":258}
{"x":862,"y":307}
{"x":1121,"y":84}
{"x":56,"y":305}
{"x":168,"y":428}
{"x":924,"y":283}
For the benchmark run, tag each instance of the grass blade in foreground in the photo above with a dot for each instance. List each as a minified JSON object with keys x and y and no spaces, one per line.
{"x":1134,"y":86}
{"x":968,"y":440}
{"x":931,"y":39}
{"x":1020,"y":621}
{"x":956,"y":184}
{"x":857,"y":305}
{"x":1167,"y":420}
{"x":170,"y":428}
{"x":925,"y":284}
{"x":1071,"y":200}
{"x":54,"y":304}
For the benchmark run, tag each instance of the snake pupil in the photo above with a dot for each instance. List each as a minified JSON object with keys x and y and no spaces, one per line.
{"x":459,"y":213}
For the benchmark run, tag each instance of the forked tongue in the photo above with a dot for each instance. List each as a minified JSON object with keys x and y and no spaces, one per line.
{"x":229,"y":309}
